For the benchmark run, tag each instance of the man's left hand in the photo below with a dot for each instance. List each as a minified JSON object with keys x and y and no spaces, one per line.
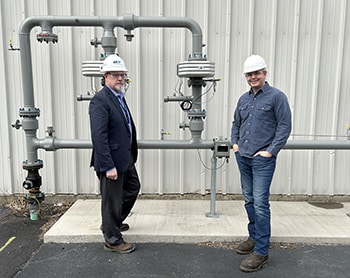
{"x":263,"y":154}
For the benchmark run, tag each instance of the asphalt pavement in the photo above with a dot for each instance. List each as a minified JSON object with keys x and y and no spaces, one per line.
{"x":177,"y":239}
{"x":20,"y":238}
{"x":156,"y":260}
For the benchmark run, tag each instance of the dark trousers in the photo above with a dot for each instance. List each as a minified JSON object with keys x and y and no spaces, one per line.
{"x":118,"y":198}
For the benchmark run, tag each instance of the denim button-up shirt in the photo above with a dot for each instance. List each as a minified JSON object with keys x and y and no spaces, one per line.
{"x":261,"y":121}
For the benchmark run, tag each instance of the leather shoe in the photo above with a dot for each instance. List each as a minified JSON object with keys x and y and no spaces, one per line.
{"x":124,"y":227}
{"x":122,"y":248}
{"x":246,"y":247}
{"x":253,"y":263}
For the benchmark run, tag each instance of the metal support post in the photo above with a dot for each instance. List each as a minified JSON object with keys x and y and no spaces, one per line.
{"x":212,"y":212}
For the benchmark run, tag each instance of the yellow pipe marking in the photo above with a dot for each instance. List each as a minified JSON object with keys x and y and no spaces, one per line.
{"x":7,"y":243}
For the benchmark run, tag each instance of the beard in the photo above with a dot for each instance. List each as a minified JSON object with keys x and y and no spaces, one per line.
{"x":119,"y":88}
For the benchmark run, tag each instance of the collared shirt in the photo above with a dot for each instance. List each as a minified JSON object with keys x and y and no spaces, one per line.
{"x":261,"y":122}
{"x":120,"y":97}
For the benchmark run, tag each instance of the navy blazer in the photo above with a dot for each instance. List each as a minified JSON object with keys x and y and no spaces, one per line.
{"x":110,"y":133}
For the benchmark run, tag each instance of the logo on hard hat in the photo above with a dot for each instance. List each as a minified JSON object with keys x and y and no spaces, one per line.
{"x":117,"y":62}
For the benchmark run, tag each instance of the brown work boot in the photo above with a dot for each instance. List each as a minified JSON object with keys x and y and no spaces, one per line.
{"x":246,"y":247}
{"x":253,"y":263}
{"x":123,"y":248}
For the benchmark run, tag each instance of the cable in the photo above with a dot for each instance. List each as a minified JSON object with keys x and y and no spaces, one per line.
{"x":38,"y":202}
{"x":206,"y":167}
{"x":178,"y":91}
{"x":207,"y":91}
{"x":212,"y":86}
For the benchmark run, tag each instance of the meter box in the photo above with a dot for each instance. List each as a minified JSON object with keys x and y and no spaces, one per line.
{"x":222,"y":148}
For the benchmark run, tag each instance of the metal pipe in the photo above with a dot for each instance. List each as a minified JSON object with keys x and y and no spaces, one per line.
{"x":30,"y":127}
{"x":128,"y":22}
{"x":317,"y":145}
{"x":179,"y":98}
{"x":51,"y":143}
{"x":181,"y":144}
{"x":132,"y":22}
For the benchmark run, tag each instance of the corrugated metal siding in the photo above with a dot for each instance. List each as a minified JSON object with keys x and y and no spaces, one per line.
{"x":303,"y":41}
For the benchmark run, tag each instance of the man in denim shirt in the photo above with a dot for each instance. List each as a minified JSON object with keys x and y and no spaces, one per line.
{"x":260,"y":129}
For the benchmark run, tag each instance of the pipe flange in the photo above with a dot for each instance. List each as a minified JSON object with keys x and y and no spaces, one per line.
{"x":32,"y":166}
{"x":30,"y":112}
{"x":47,"y":37}
{"x":192,"y":114}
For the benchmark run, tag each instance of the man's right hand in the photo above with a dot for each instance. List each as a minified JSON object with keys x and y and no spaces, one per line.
{"x":112,"y":174}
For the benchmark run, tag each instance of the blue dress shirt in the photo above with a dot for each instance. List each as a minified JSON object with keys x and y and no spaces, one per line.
{"x":261,"y":122}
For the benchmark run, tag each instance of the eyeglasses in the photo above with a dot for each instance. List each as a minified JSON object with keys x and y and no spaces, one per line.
{"x":117,"y":75}
{"x":249,"y":74}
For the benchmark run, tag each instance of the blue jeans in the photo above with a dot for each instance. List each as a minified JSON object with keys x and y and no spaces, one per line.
{"x":256,"y":177}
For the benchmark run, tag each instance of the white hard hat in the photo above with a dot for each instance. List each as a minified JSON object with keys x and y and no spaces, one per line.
{"x":113,"y":63}
{"x":254,"y":63}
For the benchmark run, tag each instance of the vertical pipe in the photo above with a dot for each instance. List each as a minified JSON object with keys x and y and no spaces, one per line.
{"x":196,"y":123}
{"x":30,"y":126}
{"x":27,"y":74}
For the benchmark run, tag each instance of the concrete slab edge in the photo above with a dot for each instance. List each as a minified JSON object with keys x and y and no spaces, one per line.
{"x":196,"y":239}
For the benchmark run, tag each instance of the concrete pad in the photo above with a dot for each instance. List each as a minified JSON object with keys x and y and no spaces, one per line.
{"x":185,"y":221}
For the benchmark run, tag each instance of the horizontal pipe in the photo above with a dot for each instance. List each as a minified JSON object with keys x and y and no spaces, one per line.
{"x":170,"y":144}
{"x":179,"y":98}
{"x":317,"y":145}
{"x":84,"y":97}
{"x":128,"y":22}
{"x":52,"y":143}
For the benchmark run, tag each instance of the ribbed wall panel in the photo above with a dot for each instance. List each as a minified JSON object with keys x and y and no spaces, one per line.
{"x":305,"y":45}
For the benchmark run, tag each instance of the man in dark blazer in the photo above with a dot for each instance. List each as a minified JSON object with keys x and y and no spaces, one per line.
{"x":114,"y":154}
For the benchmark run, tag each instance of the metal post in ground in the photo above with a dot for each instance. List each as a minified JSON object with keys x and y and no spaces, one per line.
{"x":212,"y":212}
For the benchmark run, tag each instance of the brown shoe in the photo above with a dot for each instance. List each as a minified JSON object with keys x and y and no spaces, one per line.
{"x":123,"y":248}
{"x":253,"y":263}
{"x":246,"y":247}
